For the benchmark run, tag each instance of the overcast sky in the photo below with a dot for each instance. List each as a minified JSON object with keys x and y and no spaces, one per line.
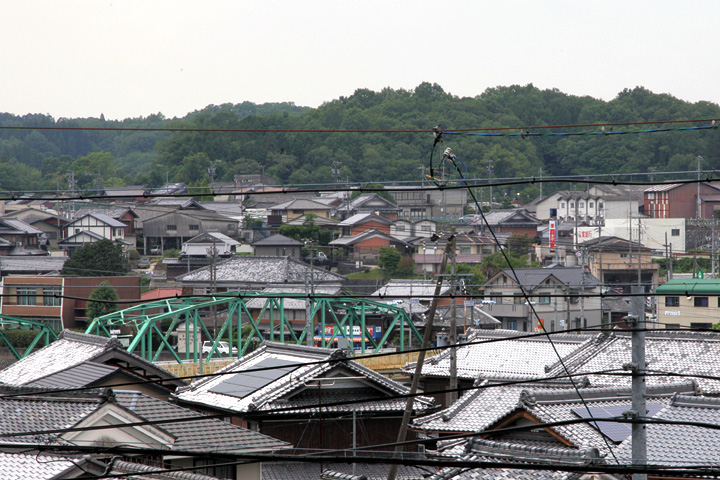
{"x":126,"y":58}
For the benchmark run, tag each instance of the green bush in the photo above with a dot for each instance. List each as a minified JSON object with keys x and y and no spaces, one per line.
{"x":20,"y":338}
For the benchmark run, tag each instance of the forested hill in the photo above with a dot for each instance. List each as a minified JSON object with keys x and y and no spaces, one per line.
{"x":41,"y":159}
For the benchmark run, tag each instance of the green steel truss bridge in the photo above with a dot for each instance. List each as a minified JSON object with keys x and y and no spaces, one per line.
{"x":152,"y":324}
{"x":44,"y":335}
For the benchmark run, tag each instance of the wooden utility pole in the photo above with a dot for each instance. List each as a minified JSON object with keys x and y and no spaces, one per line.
{"x":427,"y":335}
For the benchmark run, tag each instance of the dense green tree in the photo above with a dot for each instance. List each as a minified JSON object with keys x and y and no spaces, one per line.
{"x":99,"y":259}
{"x":102,"y":300}
{"x":389,"y":259}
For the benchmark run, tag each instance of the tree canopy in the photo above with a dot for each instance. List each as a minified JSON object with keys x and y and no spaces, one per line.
{"x":102,"y":300}
{"x":99,"y":259}
{"x":42,"y":159}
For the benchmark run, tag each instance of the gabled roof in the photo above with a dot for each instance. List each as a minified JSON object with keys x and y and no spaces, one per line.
{"x":180,"y":202}
{"x":102,"y":217}
{"x":209,"y":435}
{"x":13,"y":226}
{"x":531,"y":278}
{"x":372,"y":233}
{"x":301,"y":204}
{"x":683,"y":443}
{"x":508,"y":217}
{"x":78,"y":238}
{"x":695,"y":354}
{"x":366,"y":201}
{"x":503,"y":356}
{"x":212,"y":237}
{"x":361,"y":218}
{"x":73,"y":349}
{"x":285,"y":392}
{"x":512,"y":453}
{"x":292,"y":303}
{"x":261,"y":270}
{"x":115,"y":211}
{"x":279,"y":240}
{"x":611,"y":243}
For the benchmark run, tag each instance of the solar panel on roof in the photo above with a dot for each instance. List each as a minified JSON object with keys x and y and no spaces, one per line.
{"x":617,"y":432}
{"x":244,"y":383}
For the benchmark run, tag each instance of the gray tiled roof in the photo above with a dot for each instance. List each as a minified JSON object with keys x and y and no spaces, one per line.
{"x":37,"y":410}
{"x":680,"y":353}
{"x":76,"y":376}
{"x":261,"y":270}
{"x":73,"y":349}
{"x":102,"y":217}
{"x":31,"y":263}
{"x":277,"y":239}
{"x":312,"y":471}
{"x":21,"y":466}
{"x":286,"y":391}
{"x":530,"y":278}
{"x":490,"y":451}
{"x":503,"y":356}
{"x":291,"y":303}
{"x":211,"y":435}
{"x":682,"y":445}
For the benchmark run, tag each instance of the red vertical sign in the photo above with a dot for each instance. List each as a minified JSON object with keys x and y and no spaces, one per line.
{"x":552,"y":233}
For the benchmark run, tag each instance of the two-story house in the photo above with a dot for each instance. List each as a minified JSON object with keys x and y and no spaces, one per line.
{"x":615,"y":261}
{"x":170,"y":229}
{"x":680,"y":200}
{"x":562,"y":297}
{"x":469,"y":248}
{"x":91,"y":228}
{"x":688,"y":303}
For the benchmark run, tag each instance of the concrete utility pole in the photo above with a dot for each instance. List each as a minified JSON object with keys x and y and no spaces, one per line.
{"x":637,"y":369}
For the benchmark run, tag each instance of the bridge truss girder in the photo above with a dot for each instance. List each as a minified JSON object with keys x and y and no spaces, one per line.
{"x":342,"y":313}
{"x":45,"y":335}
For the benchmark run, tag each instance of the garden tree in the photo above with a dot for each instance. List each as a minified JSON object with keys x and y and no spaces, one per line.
{"x":102,"y":300}
{"x":389,"y":259}
{"x":405,"y":268}
{"x":99,"y":259}
{"x":495,"y":262}
{"x":474,"y":283}
{"x":519,"y":244}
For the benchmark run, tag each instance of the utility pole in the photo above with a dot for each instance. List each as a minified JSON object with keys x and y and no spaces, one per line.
{"x":637,"y":369}
{"x":309,"y":289}
{"x":427,"y":334}
{"x":452,"y":395}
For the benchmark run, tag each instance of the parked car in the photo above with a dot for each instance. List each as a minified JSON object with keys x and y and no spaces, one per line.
{"x":144,"y":262}
{"x":223,"y":348}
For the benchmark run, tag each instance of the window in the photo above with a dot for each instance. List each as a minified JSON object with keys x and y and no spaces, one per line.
{"x":581,"y":204}
{"x":700,"y":301}
{"x":674,"y":301}
{"x":399,"y":228}
{"x":512,"y":324}
{"x":171,"y":227}
{"x":600,"y":205}
{"x":49,"y":298}
{"x":425,"y":228}
{"x":544,"y":300}
{"x":194,"y":228}
{"x":675,"y":232}
{"x":651,"y":195}
{"x":26,"y":295}
{"x":464,"y":250}
{"x":623,"y":255}
{"x":591,"y":204}
{"x":562,"y":204}
{"x":231,"y":227}
{"x":572,"y":204}
{"x":706,"y":326}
